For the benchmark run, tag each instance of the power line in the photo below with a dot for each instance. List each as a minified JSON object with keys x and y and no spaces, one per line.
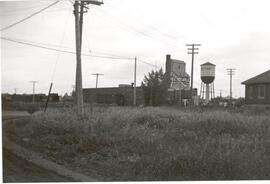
{"x":58,"y":54}
{"x":61,"y":46}
{"x":27,"y":13}
{"x":22,"y":9}
{"x":135,"y":30}
{"x":71,"y":52}
{"x":147,"y":25}
{"x":64,"y":51}
{"x":28,"y":17}
{"x":147,"y":63}
{"x":35,"y":45}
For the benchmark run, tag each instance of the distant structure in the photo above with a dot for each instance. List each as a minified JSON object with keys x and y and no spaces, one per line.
{"x":27,"y":98}
{"x":121,"y":95}
{"x":207,"y":91}
{"x":176,"y":74}
{"x":178,"y":81}
{"x":178,"y":88}
{"x":258,"y":89}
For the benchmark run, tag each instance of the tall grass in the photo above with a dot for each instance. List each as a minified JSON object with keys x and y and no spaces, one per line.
{"x":155,"y":143}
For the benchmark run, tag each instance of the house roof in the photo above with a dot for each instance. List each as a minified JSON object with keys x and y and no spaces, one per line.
{"x":262,"y":78}
{"x":208,"y":63}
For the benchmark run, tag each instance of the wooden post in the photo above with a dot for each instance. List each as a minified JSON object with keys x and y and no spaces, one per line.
{"x":48,"y":98}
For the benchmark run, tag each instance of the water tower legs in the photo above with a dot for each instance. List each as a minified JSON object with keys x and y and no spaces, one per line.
{"x":207,"y":94}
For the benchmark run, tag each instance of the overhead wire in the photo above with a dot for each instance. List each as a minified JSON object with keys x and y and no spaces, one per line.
{"x":89,"y":47}
{"x":58,"y":53}
{"x":27,"y":13}
{"x":64,"y":51}
{"x":28,"y":17}
{"x":145,"y":62}
{"x":72,"y":52}
{"x":147,"y":25}
{"x":140,"y":60}
{"x":135,"y":30}
{"x":22,"y":9}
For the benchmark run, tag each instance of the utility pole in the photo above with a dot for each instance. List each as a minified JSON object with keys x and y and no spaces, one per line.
{"x":134,"y":86}
{"x":220,"y":94}
{"x":231,"y":72}
{"x":80,"y":7}
{"x":97,"y":74}
{"x":34,"y":85}
{"x":191,"y":50}
{"x":15,"y":91}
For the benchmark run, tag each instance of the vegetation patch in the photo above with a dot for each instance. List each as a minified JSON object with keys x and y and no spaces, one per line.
{"x":135,"y":144}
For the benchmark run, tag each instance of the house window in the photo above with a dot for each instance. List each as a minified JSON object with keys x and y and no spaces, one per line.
{"x":250,"y":92}
{"x":261,"y":92}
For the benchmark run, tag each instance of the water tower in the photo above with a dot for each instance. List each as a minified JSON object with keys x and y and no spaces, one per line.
{"x":207,"y":85}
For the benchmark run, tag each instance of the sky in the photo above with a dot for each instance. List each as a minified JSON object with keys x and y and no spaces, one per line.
{"x":232,"y":34}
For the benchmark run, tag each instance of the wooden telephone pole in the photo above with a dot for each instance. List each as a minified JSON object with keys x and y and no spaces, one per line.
{"x":97,"y":74}
{"x":80,"y":7}
{"x":192,"y":49}
{"x":134,"y":86}
{"x":34,"y":87}
{"x":231,"y":72}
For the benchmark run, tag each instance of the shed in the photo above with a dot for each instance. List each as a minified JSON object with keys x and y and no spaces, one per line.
{"x":257,"y":89}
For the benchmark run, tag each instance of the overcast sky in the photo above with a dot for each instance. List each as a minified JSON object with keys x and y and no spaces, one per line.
{"x":233,"y":34}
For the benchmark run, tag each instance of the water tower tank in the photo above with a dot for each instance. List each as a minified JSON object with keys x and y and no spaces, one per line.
{"x":207,"y":72}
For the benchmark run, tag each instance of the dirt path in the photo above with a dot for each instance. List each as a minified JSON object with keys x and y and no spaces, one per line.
{"x":17,"y":170}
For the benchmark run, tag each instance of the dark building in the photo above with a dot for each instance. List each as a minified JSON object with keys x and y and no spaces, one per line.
{"x":257,"y":89}
{"x":54,"y":97}
{"x":122,"y":95}
{"x":23,"y":97}
{"x":27,"y":98}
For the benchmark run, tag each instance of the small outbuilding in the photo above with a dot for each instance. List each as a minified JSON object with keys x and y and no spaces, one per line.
{"x":257,"y":89}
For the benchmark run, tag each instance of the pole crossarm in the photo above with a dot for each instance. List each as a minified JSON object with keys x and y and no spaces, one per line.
{"x":193,"y":44}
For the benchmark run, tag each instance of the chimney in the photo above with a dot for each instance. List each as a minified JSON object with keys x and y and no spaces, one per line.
{"x":168,"y":57}
{"x":168,"y":68}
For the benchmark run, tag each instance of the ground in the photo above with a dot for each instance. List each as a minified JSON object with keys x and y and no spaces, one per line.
{"x":16,"y":169}
{"x":19,"y":170}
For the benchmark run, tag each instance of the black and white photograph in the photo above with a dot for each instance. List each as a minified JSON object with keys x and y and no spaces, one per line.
{"x":135,"y":90}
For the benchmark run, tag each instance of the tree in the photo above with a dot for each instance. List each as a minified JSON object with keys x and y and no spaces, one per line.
{"x":154,"y":88}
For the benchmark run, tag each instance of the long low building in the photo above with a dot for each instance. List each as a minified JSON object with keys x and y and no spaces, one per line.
{"x":122,"y":95}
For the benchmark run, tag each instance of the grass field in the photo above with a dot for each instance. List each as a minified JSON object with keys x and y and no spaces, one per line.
{"x":132,"y":144}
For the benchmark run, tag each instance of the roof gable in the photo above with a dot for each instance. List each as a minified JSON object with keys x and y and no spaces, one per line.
{"x":262,"y":78}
